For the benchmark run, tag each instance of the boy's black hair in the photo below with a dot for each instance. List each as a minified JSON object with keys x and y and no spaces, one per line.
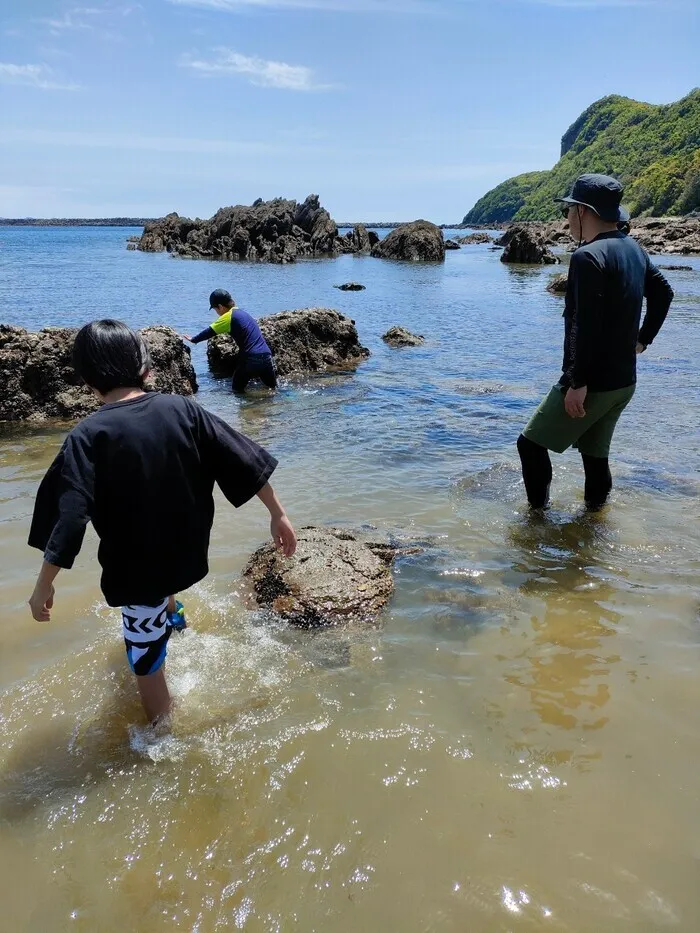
{"x":109,"y":355}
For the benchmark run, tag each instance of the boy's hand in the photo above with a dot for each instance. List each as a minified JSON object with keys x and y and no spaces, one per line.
{"x":186,"y":337}
{"x":41,"y":601}
{"x":283,"y":535}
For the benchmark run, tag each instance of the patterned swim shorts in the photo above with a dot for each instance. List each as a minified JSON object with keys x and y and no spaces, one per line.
{"x":146,"y":634}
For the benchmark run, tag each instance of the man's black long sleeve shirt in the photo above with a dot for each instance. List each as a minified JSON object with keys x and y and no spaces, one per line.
{"x":608,"y":281}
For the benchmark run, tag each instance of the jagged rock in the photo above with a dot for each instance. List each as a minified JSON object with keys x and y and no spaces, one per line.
{"x":131,"y":246}
{"x":419,"y":241}
{"x":305,"y":341}
{"x":279,"y":231}
{"x":452,"y":244}
{"x":362,"y":239}
{"x":525,"y":245}
{"x":557,"y":284}
{"x":474,"y":238}
{"x":670,"y":235}
{"x":677,"y":268}
{"x":350,"y":287}
{"x":39,"y":381}
{"x":333,"y":579}
{"x":400,"y":337}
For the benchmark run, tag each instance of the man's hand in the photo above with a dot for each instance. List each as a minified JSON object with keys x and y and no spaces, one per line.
{"x":573,"y":402}
{"x":640,"y":348}
{"x":283,"y":535}
{"x":41,"y":601}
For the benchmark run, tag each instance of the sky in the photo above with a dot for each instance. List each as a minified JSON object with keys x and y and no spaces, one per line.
{"x":387,"y":109}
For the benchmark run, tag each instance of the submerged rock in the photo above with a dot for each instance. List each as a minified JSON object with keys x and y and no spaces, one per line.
{"x":558,"y":283}
{"x":400,"y":337}
{"x":525,"y":245}
{"x":334,"y":578}
{"x":278,"y":231}
{"x":474,"y":239}
{"x":677,"y":268}
{"x":350,"y":287}
{"x":452,"y":244}
{"x":419,"y":241}
{"x":39,"y":381}
{"x":305,"y":341}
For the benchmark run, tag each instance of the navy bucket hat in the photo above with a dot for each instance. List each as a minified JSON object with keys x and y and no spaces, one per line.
{"x":602,"y":194}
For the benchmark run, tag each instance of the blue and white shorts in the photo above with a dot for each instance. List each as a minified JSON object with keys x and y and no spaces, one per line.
{"x":146,"y":634}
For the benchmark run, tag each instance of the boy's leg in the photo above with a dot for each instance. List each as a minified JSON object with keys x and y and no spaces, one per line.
{"x":268,"y":374}
{"x":146,"y":634}
{"x":537,"y":471}
{"x":154,"y":693}
{"x":241,"y":378}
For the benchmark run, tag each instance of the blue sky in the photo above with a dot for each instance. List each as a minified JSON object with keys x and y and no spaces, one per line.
{"x":388,"y":109}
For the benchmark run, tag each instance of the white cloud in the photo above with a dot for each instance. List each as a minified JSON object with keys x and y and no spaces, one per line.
{"x":38,"y":76}
{"x":259,"y":71}
{"x":350,"y":6}
{"x":76,"y":18}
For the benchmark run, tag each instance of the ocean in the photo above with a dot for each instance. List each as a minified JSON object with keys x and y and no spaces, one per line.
{"x":513,"y":747}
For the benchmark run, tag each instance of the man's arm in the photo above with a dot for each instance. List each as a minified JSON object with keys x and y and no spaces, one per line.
{"x":586,"y":327}
{"x":659,"y":295}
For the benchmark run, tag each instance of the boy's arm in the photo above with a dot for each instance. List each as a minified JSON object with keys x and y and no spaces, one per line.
{"x":61,"y":512}
{"x":280,"y":527}
{"x":41,"y":600}
{"x":242,"y":470}
{"x":221,"y":325}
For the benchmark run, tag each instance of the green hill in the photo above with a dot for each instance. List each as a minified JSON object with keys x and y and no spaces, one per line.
{"x":654,"y":151}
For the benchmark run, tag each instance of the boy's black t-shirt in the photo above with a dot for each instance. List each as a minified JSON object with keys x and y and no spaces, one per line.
{"x":143,"y":471}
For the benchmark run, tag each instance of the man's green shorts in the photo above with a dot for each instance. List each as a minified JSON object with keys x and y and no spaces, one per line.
{"x":552,"y":428}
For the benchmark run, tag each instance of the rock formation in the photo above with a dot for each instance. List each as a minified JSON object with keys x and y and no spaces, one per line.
{"x":523,"y":244}
{"x":474,"y":239}
{"x":557,"y":284}
{"x":278,"y":231}
{"x":306,"y":341}
{"x":400,"y":337}
{"x":350,"y":287}
{"x":452,"y":244}
{"x":671,"y":235}
{"x":39,"y":381}
{"x":333,"y":579}
{"x":419,"y":241}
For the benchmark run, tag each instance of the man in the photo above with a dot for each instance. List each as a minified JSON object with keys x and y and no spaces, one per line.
{"x":609,"y":276}
{"x":255,"y":356}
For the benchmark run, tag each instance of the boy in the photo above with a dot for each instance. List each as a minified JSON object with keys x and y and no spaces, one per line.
{"x":255,"y":356}
{"x":142,"y":468}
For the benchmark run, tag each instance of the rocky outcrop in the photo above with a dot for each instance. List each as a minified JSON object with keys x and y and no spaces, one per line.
{"x":523,"y":244}
{"x":474,"y":239}
{"x":333,"y":579}
{"x":558,"y":283}
{"x":306,"y":341}
{"x":671,"y":235}
{"x":278,"y":231}
{"x":452,"y":244}
{"x":673,"y":268}
{"x":39,"y":381}
{"x":400,"y":337}
{"x":350,"y":287}
{"x":420,"y":241}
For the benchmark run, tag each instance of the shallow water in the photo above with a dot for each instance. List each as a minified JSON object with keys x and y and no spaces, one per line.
{"x":514,"y":748}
